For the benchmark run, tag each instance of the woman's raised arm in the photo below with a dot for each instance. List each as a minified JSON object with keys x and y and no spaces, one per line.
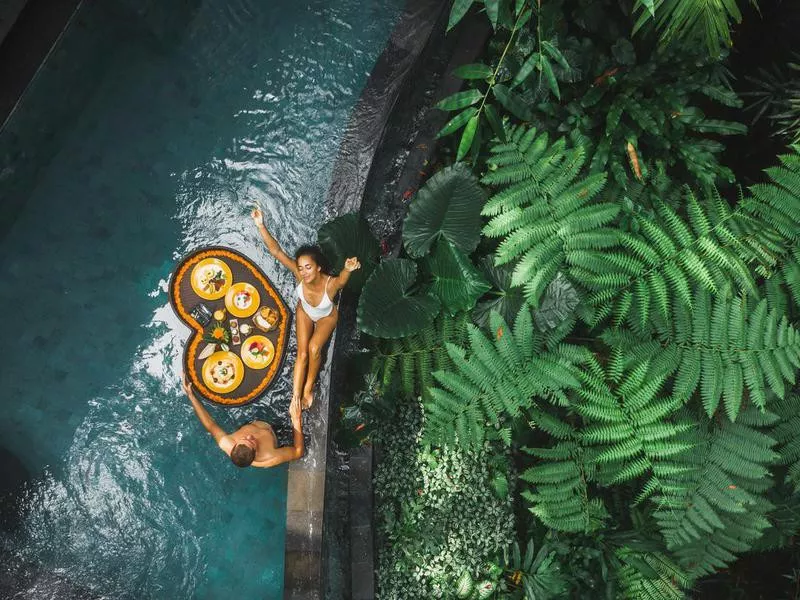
{"x":338,"y":282}
{"x":272,"y":244}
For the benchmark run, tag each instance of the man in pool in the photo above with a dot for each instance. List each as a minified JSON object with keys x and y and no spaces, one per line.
{"x":254,"y":444}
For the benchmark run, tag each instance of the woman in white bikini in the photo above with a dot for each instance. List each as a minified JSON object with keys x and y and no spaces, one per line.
{"x":316,"y":314}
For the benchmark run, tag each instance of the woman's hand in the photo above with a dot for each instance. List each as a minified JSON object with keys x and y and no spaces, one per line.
{"x":258,"y":217}
{"x":351,"y":264}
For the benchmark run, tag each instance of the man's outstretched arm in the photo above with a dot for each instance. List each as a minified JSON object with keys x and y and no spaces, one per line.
{"x":201,"y":412}
{"x":295,"y":451}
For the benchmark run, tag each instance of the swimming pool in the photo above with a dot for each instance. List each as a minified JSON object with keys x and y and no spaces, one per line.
{"x":172,"y":122}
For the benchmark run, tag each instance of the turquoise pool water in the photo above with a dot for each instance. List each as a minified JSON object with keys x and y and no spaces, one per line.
{"x":151,"y":131}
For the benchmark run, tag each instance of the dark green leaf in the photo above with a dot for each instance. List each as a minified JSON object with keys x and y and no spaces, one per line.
{"x":623,"y":52}
{"x":521,"y":21}
{"x":527,"y":68}
{"x":492,"y":11}
{"x":346,"y":236}
{"x":505,"y":299}
{"x":650,"y":6}
{"x":500,"y":485}
{"x":505,"y":18}
{"x":720,"y":127}
{"x":473,"y":71}
{"x":518,"y":6}
{"x":559,"y":302}
{"x":555,"y":54}
{"x":494,"y":122}
{"x":466,"y":138}
{"x":640,"y":565}
{"x":512,"y":102}
{"x":456,"y":281}
{"x":722,"y":95}
{"x":448,"y":206}
{"x":460,"y":8}
{"x":460,"y":100}
{"x":389,"y":307}
{"x":547,"y":69}
{"x":457,"y":122}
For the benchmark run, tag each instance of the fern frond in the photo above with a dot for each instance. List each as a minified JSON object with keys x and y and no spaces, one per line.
{"x":499,"y":379}
{"x":727,"y":349}
{"x":656,"y":268}
{"x":649,"y":576}
{"x":786,"y":433}
{"x":778,"y":202}
{"x":408,"y":363}
{"x":686,"y":20}
{"x":544,"y":212}
{"x":559,"y":496}
{"x":713,"y":509}
{"x":634,"y":431}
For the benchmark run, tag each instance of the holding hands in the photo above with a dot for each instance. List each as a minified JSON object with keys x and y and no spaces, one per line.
{"x":295,"y":410}
{"x":351,"y":264}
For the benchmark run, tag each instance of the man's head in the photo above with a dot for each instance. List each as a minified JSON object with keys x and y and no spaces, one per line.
{"x":244,"y":452}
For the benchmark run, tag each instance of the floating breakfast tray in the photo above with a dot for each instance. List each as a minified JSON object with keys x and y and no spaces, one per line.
{"x":240,"y":288}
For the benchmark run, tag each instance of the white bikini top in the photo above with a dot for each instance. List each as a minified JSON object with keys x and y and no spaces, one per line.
{"x":323,"y":309}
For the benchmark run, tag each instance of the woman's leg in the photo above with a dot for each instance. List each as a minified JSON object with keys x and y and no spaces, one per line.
{"x":304,"y":327}
{"x":322,"y":333}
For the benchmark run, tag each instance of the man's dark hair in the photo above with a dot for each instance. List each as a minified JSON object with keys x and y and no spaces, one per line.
{"x":315,"y":254}
{"x":242,"y":455}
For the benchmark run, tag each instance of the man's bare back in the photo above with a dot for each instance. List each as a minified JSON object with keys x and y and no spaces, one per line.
{"x":253,"y":444}
{"x":259,"y":436}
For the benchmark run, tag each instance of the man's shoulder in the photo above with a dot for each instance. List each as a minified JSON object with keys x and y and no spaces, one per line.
{"x":226,"y":444}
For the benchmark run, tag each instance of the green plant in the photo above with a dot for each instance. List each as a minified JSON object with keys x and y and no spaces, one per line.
{"x":524,"y":52}
{"x":437,"y":514}
{"x":359,"y":418}
{"x":544,"y":211}
{"x":777,"y":96}
{"x":455,"y":280}
{"x":501,"y":297}
{"x":530,"y":576}
{"x":346,"y":236}
{"x":714,"y":508}
{"x":725,"y":348}
{"x":785,"y":433}
{"x":687,"y":21}
{"x":486,"y":390}
{"x":638,"y":417}
{"x":637,"y":349}
{"x":392,"y":305}
{"x":446,"y":208}
{"x":405,"y":366}
{"x":647,"y":114}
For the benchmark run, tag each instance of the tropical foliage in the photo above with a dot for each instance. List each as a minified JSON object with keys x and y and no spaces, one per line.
{"x":777,"y":98}
{"x":437,"y":510}
{"x":596,"y":303}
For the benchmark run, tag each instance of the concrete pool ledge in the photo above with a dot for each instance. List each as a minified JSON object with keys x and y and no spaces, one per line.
{"x":304,"y":565}
{"x":305,"y":500}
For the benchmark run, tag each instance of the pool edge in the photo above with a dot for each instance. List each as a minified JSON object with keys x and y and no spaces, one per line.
{"x":304,"y":575}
